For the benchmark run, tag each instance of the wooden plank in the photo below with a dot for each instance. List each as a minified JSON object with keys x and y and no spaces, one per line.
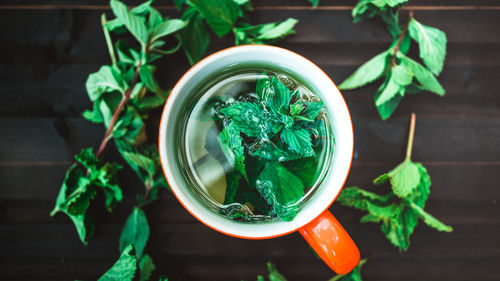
{"x":315,"y":31}
{"x":438,"y":138}
{"x":30,"y":241}
{"x":37,"y":91}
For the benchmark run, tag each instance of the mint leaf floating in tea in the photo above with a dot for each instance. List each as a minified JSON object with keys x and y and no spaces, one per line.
{"x":399,"y":210}
{"x":262,"y":134}
{"x":281,"y":189}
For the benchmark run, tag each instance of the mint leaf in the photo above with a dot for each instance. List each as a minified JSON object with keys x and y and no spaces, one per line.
{"x":399,"y":79}
{"x":135,"y":231}
{"x":93,"y":116}
{"x":248,"y":118}
{"x":135,"y":24}
{"x":305,"y":169}
{"x":386,"y":109}
{"x":366,"y":73}
{"x":195,"y":37}
{"x":369,"y":8}
{"x":404,"y":178}
{"x":232,"y":146}
{"x":280,"y":101}
{"x":314,"y":3}
{"x":155,"y":19}
{"x":107,"y":79}
{"x":274,"y":274}
{"x":429,"y":219}
{"x":232,"y":184}
{"x":146,"y":267}
{"x":146,"y":74}
{"x":432,"y":44}
{"x":124,"y":268}
{"x":354,"y":275}
{"x":298,"y":140}
{"x":311,"y":111}
{"x":84,"y":226}
{"x":425,"y":77}
{"x":220,"y":15}
{"x":167,"y":27}
{"x":281,"y":189}
{"x":263,"y":33}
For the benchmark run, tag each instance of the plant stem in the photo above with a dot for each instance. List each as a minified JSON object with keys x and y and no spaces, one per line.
{"x":109,"y":43}
{"x":117,"y":112}
{"x":410,"y":137}
{"x":400,"y":40}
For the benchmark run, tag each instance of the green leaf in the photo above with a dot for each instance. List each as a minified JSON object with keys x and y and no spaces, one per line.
{"x":167,"y":27}
{"x":369,"y":8}
{"x":404,"y":179}
{"x":271,"y":32}
{"x":366,"y":73}
{"x":154,"y":20}
{"x":124,"y":268}
{"x":298,"y":141}
{"x":247,"y":117}
{"x":195,"y":37}
{"x":232,"y":145}
{"x":135,"y":231}
{"x":429,"y":219}
{"x":107,"y":79}
{"x":363,"y":200}
{"x":399,"y":79}
{"x":314,"y":3}
{"x":280,"y":101}
{"x":274,"y":274}
{"x":84,"y":226}
{"x":146,"y":74}
{"x":232,"y":184}
{"x":386,"y":109}
{"x":135,"y":24}
{"x":354,"y":275}
{"x":306,"y":169}
{"x":426,"y":79}
{"x":138,"y":161}
{"x":146,"y":267}
{"x":311,"y":110}
{"x":93,"y":116}
{"x":220,"y":15}
{"x":432,"y":44}
{"x":281,"y":189}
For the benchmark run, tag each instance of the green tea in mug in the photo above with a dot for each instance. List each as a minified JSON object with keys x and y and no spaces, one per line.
{"x":256,"y":144}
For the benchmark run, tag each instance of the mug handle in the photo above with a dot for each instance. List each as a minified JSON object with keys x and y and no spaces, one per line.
{"x":331,"y":242}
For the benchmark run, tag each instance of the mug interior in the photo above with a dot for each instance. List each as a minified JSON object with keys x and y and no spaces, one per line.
{"x":296,"y":65}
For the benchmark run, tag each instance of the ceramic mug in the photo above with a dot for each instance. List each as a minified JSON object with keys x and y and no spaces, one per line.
{"x":314,"y":222}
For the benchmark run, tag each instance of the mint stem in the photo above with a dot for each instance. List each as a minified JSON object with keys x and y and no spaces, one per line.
{"x":400,"y":40}
{"x":117,"y":112}
{"x":410,"y":137}
{"x":109,"y":43}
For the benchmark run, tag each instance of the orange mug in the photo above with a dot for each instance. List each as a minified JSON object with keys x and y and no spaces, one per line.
{"x":314,"y":222}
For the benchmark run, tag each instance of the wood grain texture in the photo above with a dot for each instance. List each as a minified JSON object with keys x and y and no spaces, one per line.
{"x":46,"y":58}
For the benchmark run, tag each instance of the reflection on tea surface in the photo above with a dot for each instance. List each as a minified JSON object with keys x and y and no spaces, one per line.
{"x":256,"y":144}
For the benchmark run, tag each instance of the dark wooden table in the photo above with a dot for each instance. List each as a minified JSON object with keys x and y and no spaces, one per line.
{"x":48,"y":49}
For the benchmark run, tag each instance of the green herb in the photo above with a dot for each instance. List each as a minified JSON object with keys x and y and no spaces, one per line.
{"x":146,"y":268}
{"x":124,"y":268}
{"x":314,"y":3}
{"x":277,"y":127}
{"x":401,"y":74}
{"x":135,"y":231}
{"x":399,"y":210}
{"x":222,"y":17}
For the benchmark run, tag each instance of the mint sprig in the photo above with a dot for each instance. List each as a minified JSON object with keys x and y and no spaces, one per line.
{"x":224,"y":17}
{"x":258,"y":136}
{"x":399,"y":210}
{"x":401,"y":74}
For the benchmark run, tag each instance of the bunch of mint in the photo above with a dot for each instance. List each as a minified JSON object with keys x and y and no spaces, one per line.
{"x":223,"y":17}
{"x":124,"y":94}
{"x":278,"y":126}
{"x":402,"y":75}
{"x":399,"y":210}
